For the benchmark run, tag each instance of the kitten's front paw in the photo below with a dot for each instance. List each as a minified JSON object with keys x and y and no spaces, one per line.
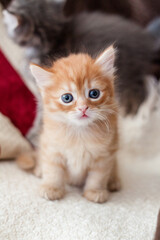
{"x":50,"y":193}
{"x":98,"y":196}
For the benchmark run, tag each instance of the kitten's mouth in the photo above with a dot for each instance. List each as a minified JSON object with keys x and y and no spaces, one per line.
{"x":84,"y":116}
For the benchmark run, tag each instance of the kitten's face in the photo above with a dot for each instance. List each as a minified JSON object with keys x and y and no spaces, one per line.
{"x":77,"y":90}
{"x":78,"y":98}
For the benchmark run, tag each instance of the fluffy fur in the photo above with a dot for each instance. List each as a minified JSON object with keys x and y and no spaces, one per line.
{"x":114,"y":7}
{"x":143,"y":128}
{"x":140,"y":11}
{"x":57,"y":36}
{"x":79,"y":140}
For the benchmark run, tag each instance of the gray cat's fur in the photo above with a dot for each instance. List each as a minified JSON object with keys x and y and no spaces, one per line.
{"x":47,"y":35}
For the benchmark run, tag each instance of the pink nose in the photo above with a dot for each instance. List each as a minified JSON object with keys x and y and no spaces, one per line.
{"x":83,"y":109}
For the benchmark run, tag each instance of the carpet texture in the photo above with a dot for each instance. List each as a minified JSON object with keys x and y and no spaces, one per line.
{"x":128,"y":215}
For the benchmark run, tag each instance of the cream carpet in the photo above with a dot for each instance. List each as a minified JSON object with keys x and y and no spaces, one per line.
{"x":128,"y":215}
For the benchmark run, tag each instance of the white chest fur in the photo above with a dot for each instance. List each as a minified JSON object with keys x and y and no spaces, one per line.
{"x":80,"y":157}
{"x":78,"y":160}
{"x":79,"y":150}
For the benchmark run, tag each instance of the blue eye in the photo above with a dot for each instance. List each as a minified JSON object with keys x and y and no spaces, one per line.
{"x":67,"y":98}
{"x":94,"y":93}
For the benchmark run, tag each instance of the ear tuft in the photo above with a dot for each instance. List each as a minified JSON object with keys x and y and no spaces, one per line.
{"x":42,"y":76}
{"x":106,"y":61}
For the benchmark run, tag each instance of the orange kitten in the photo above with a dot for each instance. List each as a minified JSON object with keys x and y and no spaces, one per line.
{"x":79,"y":140}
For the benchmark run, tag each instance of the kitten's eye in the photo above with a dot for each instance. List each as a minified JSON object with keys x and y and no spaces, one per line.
{"x":94,"y":93}
{"x":67,"y":98}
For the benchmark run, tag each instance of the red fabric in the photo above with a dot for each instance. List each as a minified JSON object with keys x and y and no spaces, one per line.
{"x":16,"y":101}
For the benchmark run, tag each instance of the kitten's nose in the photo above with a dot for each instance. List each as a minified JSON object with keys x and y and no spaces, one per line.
{"x":83,"y":109}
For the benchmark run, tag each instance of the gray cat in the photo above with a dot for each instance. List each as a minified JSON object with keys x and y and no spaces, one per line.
{"x":40,"y":27}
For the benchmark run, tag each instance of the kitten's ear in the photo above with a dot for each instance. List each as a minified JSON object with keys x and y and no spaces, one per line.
{"x":19,"y":27}
{"x":11,"y":22}
{"x":41,"y":75}
{"x":106,"y":61}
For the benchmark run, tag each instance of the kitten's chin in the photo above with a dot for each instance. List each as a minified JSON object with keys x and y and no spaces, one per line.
{"x":83,"y":121}
{"x":70,"y":120}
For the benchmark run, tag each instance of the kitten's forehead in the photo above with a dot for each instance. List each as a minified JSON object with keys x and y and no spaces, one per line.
{"x":76,"y":72}
{"x":73,"y":87}
{"x":68,"y":86}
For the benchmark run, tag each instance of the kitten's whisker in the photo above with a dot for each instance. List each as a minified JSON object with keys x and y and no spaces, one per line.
{"x":104,"y":120}
{"x":109,"y":111}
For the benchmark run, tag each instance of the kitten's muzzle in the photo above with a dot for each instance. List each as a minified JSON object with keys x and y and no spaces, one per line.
{"x":83,"y":109}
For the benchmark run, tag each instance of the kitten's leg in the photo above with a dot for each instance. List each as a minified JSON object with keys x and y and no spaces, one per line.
{"x":53,"y":172}
{"x":96,"y":183}
{"x":114,"y":182}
